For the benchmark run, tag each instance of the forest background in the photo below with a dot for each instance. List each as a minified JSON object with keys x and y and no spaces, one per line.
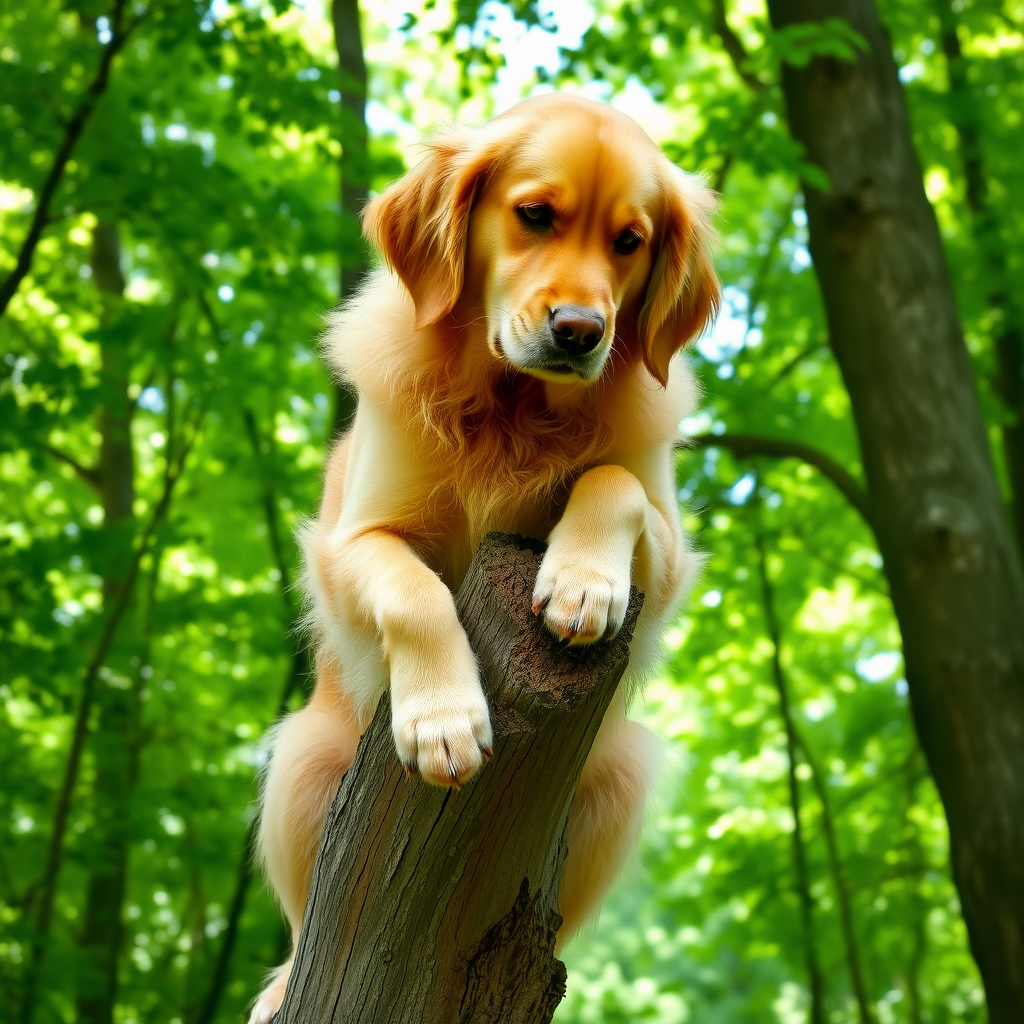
{"x":178,"y":190}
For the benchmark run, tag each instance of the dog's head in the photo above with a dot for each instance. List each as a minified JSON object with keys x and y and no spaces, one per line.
{"x":565,"y":227}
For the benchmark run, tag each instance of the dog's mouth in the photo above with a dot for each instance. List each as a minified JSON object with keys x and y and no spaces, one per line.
{"x":534,"y":357}
{"x":560,"y":373}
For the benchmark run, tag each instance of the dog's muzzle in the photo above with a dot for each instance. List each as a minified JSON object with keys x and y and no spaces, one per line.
{"x":573,"y":336}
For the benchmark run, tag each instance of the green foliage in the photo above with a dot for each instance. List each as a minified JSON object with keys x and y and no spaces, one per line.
{"x":214,"y":150}
{"x":799,"y":44}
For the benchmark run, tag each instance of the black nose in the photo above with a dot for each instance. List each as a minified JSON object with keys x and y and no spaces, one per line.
{"x":576,"y":329}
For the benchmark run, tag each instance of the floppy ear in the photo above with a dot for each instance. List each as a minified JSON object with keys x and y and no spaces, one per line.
{"x":419,"y":223}
{"x":684,"y":293}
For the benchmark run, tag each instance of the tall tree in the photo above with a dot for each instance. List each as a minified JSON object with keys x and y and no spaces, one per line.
{"x":957,"y":587}
{"x":115,"y":740}
{"x":354,"y":166}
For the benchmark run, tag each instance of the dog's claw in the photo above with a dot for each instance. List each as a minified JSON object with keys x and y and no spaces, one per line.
{"x":488,"y":753}
{"x":452,"y":770}
{"x":410,"y":768}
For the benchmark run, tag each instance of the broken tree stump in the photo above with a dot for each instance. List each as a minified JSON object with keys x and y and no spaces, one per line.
{"x":434,"y":906}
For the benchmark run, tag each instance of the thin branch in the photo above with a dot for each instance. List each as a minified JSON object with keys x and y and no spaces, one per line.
{"x":908,"y":869}
{"x":734,"y":48}
{"x":90,"y":474}
{"x":815,"y":980}
{"x":60,"y":161}
{"x":268,"y":498}
{"x":838,"y":567}
{"x":760,"y":275}
{"x":839,"y":883}
{"x":298,"y":672}
{"x":919,"y":910}
{"x":750,"y":445}
{"x":757,"y":286}
{"x":718,"y":181}
{"x":791,"y":364}
{"x":133,"y":404}
{"x":906,"y":765}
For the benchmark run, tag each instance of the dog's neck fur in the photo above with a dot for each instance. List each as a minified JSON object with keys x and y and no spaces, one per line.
{"x":496,"y":435}
{"x":503,"y":431}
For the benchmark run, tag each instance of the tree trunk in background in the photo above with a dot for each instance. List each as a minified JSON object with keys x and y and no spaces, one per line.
{"x":113,"y":741}
{"x":355,"y":168}
{"x":431,"y":906}
{"x":1000,"y":298}
{"x":956,"y":583}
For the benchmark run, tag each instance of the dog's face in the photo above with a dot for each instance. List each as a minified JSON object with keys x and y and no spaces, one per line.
{"x":570,"y":231}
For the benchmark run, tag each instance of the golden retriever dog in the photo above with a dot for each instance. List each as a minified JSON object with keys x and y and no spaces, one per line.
{"x":514,"y":361}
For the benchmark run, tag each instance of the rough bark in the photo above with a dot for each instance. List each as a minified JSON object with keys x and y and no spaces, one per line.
{"x":441,"y":905}
{"x":956,"y":583}
{"x":354,"y":167}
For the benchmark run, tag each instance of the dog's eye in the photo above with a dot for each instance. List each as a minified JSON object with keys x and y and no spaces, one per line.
{"x":536,"y":216}
{"x":627,"y":242}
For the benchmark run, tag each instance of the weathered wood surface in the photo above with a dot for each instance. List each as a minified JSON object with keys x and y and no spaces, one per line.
{"x":431,"y":906}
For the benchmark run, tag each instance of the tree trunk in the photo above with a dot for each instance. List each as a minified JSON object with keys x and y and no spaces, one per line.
{"x":956,"y":583}
{"x":354,"y":168}
{"x":441,"y":905}
{"x":117,"y":697}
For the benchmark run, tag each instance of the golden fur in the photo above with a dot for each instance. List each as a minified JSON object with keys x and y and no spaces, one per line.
{"x":475,"y":414}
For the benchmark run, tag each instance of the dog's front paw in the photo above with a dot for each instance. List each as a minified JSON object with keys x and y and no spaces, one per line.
{"x":580,"y":602}
{"x":445,"y":739}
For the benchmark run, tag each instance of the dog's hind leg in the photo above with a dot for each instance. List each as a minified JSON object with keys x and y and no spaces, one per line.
{"x":312,"y":749}
{"x":605,"y":818}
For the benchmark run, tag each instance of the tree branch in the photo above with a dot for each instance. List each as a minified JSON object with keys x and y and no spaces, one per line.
{"x":815,"y":980}
{"x":734,"y":48}
{"x":750,"y":445}
{"x":298,"y":672}
{"x":839,"y":882}
{"x":90,"y":474}
{"x":268,"y":498}
{"x":791,"y":364}
{"x":718,"y":181}
{"x":72,"y":132}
